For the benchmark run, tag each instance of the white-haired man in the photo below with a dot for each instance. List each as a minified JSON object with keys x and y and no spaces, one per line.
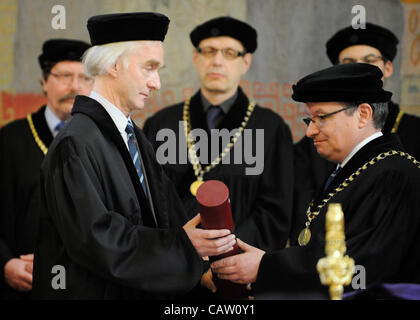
{"x":111,"y":219}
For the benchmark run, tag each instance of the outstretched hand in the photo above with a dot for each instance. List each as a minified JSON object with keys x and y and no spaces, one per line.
{"x":241,"y":268}
{"x":209,"y":242}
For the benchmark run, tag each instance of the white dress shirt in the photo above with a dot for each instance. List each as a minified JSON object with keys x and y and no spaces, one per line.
{"x":116,"y":114}
{"x":52,"y":120}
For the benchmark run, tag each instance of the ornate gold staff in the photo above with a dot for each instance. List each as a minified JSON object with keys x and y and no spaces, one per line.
{"x":335,"y":270}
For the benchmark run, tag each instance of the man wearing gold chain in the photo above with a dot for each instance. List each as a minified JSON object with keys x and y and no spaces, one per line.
{"x":261,"y":202}
{"x":375,"y":181}
{"x":375,"y":45}
{"x":23,"y":145}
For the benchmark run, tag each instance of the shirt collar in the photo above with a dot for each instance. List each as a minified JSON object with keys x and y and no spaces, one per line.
{"x":116,"y":114}
{"x":360,"y":146}
{"x":225,"y":105}
{"x":52,"y":120}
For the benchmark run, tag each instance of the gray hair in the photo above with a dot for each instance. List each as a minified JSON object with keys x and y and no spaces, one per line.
{"x":96,"y":60}
{"x":380,"y":112}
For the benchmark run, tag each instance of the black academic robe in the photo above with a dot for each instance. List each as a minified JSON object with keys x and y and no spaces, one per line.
{"x":20,"y":161}
{"x":407,"y":128}
{"x":97,"y":223}
{"x":311,"y":170}
{"x":261,"y":204}
{"x":382,"y":222}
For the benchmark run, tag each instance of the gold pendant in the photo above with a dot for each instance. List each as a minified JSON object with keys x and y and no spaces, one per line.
{"x":304,"y":237}
{"x":194,"y":186}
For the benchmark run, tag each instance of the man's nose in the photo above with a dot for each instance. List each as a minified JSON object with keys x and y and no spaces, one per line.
{"x":154,"y":82}
{"x":312,"y":130}
{"x":218,"y":58}
{"x":76,"y":84}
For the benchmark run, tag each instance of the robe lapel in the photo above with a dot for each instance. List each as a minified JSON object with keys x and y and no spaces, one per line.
{"x":41,"y":126}
{"x":98,"y":114}
{"x":237,"y":112}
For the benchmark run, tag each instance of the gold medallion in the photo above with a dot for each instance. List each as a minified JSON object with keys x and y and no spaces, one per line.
{"x":304,"y":237}
{"x":194,"y":186}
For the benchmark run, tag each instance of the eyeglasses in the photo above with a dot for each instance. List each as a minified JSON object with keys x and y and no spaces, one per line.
{"x":370,"y":58}
{"x":228,"y":53}
{"x":318,"y":120}
{"x":68,"y":78}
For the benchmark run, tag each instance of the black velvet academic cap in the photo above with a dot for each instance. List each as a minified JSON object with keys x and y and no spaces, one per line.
{"x":351,"y":82}
{"x":55,"y":50}
{"x":375,"y":36}
{"x":133,"y":26}
{"x":226,"y":26}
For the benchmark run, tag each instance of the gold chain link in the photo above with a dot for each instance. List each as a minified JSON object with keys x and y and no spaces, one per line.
{"x":198,"y":171}
{"x":38,"y":140}
{"x":312,"y":215}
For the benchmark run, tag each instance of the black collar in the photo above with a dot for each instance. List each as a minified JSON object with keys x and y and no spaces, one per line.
{"x":225,"y":105}
{"x":233,"y":118}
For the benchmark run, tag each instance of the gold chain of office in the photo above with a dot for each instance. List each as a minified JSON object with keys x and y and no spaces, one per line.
{"x":305,"y":234}
{"x":198,"y":170}
{"x":38,"y":140}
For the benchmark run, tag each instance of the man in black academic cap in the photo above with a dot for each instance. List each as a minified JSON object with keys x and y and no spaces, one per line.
{"x":112,"y":223}
{"x":23,"y":144}
{"x":260,"y":192}
{"x":375,"y":182}
{"x":375,"y":45}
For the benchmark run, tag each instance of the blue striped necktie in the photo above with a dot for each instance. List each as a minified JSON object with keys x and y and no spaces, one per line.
{"x":134,"y":152}
{"x":59,"y":126}
{"x":331,"y":177}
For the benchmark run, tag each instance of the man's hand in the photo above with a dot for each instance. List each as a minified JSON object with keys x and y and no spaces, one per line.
{"x":209,"y":242}
{"x":16,"y":274}
{"x":30,"y":259}
{"x":241,"y":268}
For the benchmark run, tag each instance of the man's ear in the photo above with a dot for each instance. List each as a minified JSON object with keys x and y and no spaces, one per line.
{"x":365,"y":114}
{"x":247,"y":62}
{"x":195,"y":57}
{"x":388,"y":70}
{"x":113,"y":70}
{"x":43,"y":83}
